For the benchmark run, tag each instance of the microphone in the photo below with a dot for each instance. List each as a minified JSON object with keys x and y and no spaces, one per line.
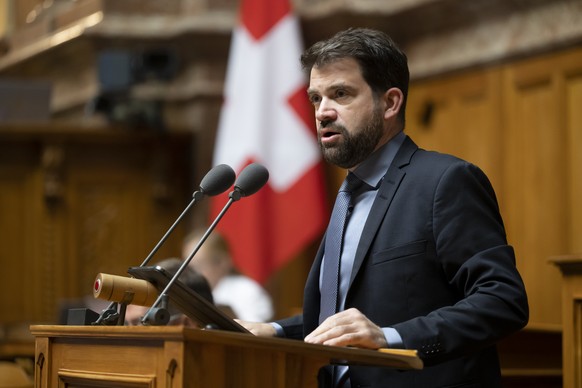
{"x":125,"y":290}
{"x":216,"y":181}
{"x":251,"y":179}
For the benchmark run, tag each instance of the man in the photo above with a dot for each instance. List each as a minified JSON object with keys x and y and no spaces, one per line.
{"x":424,"y":261}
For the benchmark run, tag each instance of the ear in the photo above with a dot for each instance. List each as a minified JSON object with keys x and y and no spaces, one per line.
{"x":393,"y":99}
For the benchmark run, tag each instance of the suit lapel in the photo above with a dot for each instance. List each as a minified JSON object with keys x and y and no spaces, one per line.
{"x":386,"y":191}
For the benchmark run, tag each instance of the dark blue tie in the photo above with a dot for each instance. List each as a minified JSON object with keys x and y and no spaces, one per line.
{"x":334,"y":238}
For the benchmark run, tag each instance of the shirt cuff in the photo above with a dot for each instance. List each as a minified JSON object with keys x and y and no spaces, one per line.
{"x":393,"y":338}
{"x":278,"y":329}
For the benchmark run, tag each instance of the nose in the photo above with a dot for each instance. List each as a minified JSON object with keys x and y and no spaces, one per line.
{"x":325,"y":111}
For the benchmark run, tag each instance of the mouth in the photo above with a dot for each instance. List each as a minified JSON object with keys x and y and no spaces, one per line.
{"x":329,"y":135}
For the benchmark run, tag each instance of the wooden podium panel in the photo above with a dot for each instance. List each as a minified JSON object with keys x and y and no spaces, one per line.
{"x":177,"y":356}
{"x":571,"y":268}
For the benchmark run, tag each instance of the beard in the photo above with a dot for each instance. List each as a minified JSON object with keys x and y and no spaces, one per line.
{"x":354,"y":148}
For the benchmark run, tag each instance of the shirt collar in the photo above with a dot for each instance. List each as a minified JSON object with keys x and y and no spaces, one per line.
{"x":373,"y":169}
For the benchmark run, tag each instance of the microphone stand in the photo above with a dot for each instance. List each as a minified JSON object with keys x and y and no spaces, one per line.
{"x":110,"y":316}
{"x":216,"y":181}
{"x":198,"y":195}
{"x":251,"y":179}
{"x":159,"y":315}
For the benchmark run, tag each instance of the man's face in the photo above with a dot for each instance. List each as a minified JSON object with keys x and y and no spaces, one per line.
{"x":350,"y":124}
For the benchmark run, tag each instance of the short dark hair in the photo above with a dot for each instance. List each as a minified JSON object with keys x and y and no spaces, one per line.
{"x":382,"y":63}
{"x":191,"y":278}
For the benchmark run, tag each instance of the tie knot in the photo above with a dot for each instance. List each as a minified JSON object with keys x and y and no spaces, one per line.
{"x":351,"y":183}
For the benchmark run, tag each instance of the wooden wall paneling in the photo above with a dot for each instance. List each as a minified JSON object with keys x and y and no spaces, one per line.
{"x":75,"y":204}
{"x":120,"y":211}
{"x":573,"y":102}
{"x":51,"y":280}
{"x":169,"y":191}
{"x":459,"y":115}
{"x":11,"y":222}
{"x":108,"y":221}
{"x":18,"y":222}
{"x":5,"y":22}
{"x":538,"y":175}
{"x":35,"y":242}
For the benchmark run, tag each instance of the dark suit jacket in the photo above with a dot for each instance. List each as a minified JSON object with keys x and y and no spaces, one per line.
{"x":433,"y":262}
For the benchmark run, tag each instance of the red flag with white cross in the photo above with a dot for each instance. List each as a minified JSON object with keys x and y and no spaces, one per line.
{"x":266,"y":118}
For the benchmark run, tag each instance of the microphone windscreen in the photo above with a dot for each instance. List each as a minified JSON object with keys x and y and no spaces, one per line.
{"x":217,"y":180}
{"x":123,"y":289}
{"x":251,"y":179}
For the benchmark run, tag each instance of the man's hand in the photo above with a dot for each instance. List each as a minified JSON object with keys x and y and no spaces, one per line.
{"x":258,"y":329}
{"x":348,"y":328}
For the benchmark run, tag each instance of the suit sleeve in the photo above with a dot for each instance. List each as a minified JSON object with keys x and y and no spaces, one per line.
{"x":292,"y":326}
{"x":479,"y":266}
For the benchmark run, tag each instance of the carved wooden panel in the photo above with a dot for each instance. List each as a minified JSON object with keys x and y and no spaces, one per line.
{"x":72,"y":379}
{"x":571,"y":271}
{"x":463,"y":121}
{"x":542,"y":121}
{"x":76,"y":204}
{"x":19,"y":224}
{"x":573,"y":123}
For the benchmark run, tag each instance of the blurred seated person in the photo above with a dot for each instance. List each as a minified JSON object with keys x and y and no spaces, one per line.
{"x":247,"y":299}
{"x":190,"y":278}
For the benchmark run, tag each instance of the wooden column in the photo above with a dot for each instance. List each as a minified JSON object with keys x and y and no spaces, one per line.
{"x":571,"y":268}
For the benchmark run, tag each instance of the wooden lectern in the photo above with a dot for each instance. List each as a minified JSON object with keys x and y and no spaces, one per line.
{"x":177,"y":356}
{"x":571,"y":268}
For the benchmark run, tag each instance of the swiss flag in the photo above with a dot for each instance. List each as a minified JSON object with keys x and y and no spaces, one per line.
{"x":266,"y":118}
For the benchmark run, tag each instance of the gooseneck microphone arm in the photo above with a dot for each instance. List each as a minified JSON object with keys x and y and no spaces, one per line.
{"x":195,"y":197}
{"x":216,"y":181}
{"x":158,"y":313}
{"x":250,"y":180}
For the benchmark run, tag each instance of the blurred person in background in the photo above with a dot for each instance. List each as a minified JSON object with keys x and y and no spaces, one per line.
{"x":190,"y":278}
{"x":245,"y":298}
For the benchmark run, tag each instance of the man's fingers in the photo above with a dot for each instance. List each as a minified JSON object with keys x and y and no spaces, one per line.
{"x":258,"y":328}
{"x":348,"y":328}
{"x":332,"y":329}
